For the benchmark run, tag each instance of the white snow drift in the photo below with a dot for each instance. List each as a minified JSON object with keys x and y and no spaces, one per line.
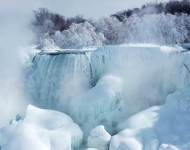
{"x":41,"y":130}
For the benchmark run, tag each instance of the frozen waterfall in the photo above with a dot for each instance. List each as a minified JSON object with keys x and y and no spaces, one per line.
{"x":55,"y":79}
{"x":71,"y":82}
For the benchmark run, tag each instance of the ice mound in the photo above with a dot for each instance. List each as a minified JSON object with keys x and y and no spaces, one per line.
{"x":102,"y":105}
{"x":158,"y":128}
{"x":142,"y":119}
{"x":99,"y":138}
{"x":137,"y":132}
{"x":42,"y":130}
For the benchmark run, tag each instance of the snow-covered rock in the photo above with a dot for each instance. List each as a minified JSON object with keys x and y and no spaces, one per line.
{"x":42,"y":130}
{"x":102,"y":105}
{"x":99,"y":138}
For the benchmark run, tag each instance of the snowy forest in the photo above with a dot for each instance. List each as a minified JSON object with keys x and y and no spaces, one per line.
{"x":158,"y":23}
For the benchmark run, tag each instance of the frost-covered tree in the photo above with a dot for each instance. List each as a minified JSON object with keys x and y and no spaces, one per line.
{"x":164,"y":29}
{"x":158,"y":28}
{"x":149,"y":29}
{"x":46,"y":42}
{"x":78,"y":36}
{"x":42,"y":21}
{"x":111,"y":28}
{"x":184,"y":18}
{"x":172,"y":31}
{"x":131,"y":30}
{"x":47,"y":27}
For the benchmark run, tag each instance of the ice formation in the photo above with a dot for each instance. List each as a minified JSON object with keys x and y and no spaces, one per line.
{"x":115,"y":83}
{"x":53,"y":75}
{"x":158,"y":128}
{"x":41,"y":130}
{"x":99,"y":138}
{"x":100,"y":105}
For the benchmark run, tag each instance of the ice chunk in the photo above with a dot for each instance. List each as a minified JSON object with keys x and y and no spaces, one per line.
{"x":143,"y":119}
{"x":102,"y":105}
{"x":129,"y":144}
{"x":99,"y":138}
{"x":42,"y":129}
{"x":137,"y":132}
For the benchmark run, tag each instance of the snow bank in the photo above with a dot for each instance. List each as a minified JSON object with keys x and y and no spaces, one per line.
{"x":100,"y":105}
{"x":99,"y":138}
{"x":165,"y":127}
{"x":42,"y":129}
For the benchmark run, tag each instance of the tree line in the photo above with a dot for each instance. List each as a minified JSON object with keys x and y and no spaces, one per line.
{"x":158,"y":23}
{"x":171,"y":7}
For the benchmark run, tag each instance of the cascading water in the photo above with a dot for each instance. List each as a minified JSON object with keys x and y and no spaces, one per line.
{"x":53,"y":75}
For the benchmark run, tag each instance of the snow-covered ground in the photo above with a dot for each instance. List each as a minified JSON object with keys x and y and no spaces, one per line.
{"x":138,"y":94}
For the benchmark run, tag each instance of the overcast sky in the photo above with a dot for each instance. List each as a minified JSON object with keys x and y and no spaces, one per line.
{"x":88,"y":8}
{"x":97,"y":8}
